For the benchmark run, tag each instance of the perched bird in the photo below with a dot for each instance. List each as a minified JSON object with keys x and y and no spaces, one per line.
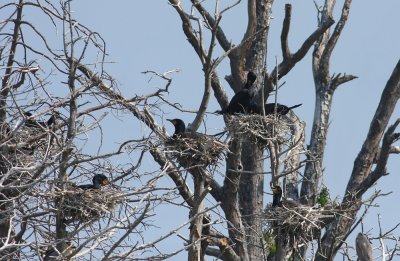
{"x":30,"y":122}
{"x":179,"y":125}
{"x":277,"y":200}
{"x":240,"y":102}
{"x":52,"y":119}
{"x":98,"y":181}
{"x":192,"y":148}
{"x":270,"y":108}
{"x":363,"y":248}
{"x":277,"y":196}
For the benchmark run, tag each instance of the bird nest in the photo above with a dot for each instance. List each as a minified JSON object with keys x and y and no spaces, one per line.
{"x":260,"y":129}
{"x":36,"y":143}
{"x":85,"y":205}
{"x":301,"y":224}
{"x":195,"y":149}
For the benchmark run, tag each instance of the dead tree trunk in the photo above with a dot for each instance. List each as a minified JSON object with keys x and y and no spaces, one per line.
{"x":7,"y":231}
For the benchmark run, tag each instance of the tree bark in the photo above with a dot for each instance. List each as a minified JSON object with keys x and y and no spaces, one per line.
{"x":7,"y":230}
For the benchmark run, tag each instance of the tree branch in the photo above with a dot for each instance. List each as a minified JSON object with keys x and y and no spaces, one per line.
{"x":330,"y":45}
{"x":290,"y":60}
{"x":365,"y":158}
{"x":380,"y":169}
{"x":214,"y":24}
{"x":339,"y":80}
{"x":188,"y":29}
{"x":361,"y":174}
{"x":174,"y":173}
{"x":5,"y":88}
{"x":285,"y":32}
{"x":230,"y":203}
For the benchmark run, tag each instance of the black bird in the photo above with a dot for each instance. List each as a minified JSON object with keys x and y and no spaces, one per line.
{"x":98,"y":181}
{"x":52,"y":119}
{"x":270,"y":108}
{"x":276,"y":196}
{"x":241,"y":101}
{"x":179,"y":125}
{"x":277,"y":200}
{"x":30,"y":122}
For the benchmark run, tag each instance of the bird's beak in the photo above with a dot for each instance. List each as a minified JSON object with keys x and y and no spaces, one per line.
{"x":106,"y":182}
{"x":172,"y":121}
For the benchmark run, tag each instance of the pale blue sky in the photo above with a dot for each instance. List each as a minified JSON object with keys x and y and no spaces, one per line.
{"x":147,"y":35}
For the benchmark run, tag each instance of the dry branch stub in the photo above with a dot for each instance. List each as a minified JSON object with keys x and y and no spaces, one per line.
{"x":301,"y":224}
{"x":195,"y":149}
{"x":83,"y":205}
{"x":260,"y":129}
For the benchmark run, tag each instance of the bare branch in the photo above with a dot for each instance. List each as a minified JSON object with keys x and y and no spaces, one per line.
{"x":339,"y":80}
{"x":380,"y":169}
{"x":188,"y":29}
{"x":330,"y":45}
{"x":365,"y":158}
{"x":290,"y":60}
{"x":285,"y":32}
{"x":214,"y":24}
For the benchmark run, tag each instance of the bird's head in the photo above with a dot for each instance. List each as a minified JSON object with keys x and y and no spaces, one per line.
{"x":251,"y":78}
{"x":179,"y":125}
{"x":277,"y":190}
{"x":101,"y":179}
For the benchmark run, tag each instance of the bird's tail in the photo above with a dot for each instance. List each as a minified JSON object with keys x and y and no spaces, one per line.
{"x":295,"y":106}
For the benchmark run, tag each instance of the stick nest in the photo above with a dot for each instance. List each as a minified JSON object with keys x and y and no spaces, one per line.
{"x":84,"y":205}
{"x":195,"y":149}
{"x":260,"y":129}
{"x":301,"y":224}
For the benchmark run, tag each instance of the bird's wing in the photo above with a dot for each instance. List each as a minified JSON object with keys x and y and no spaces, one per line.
{"x":239,"y":101}
{"x":86,"y":186}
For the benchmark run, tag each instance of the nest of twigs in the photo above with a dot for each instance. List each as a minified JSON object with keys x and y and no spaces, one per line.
{"x":36,"y":142}
{"x":195,"y":149}
{"x":260,"y":129}
{"x":84,"y":205}
{"x":301,"y":224}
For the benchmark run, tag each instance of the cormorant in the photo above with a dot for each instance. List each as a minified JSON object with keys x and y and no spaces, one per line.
{"x":363,"y":248}
{"x":276,"y":196}
{"x":240,"y":102}
{"x":270,"y":108}
{"x":52,"y":119}
{"x":30,"y":122}
{"x":277,"y":200}
{"x":98,"y":181}
{"x":179,"y":125}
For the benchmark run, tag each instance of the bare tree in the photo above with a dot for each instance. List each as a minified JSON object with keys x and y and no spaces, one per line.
{"x":41,"y":209}
{"x":44,"y":214}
